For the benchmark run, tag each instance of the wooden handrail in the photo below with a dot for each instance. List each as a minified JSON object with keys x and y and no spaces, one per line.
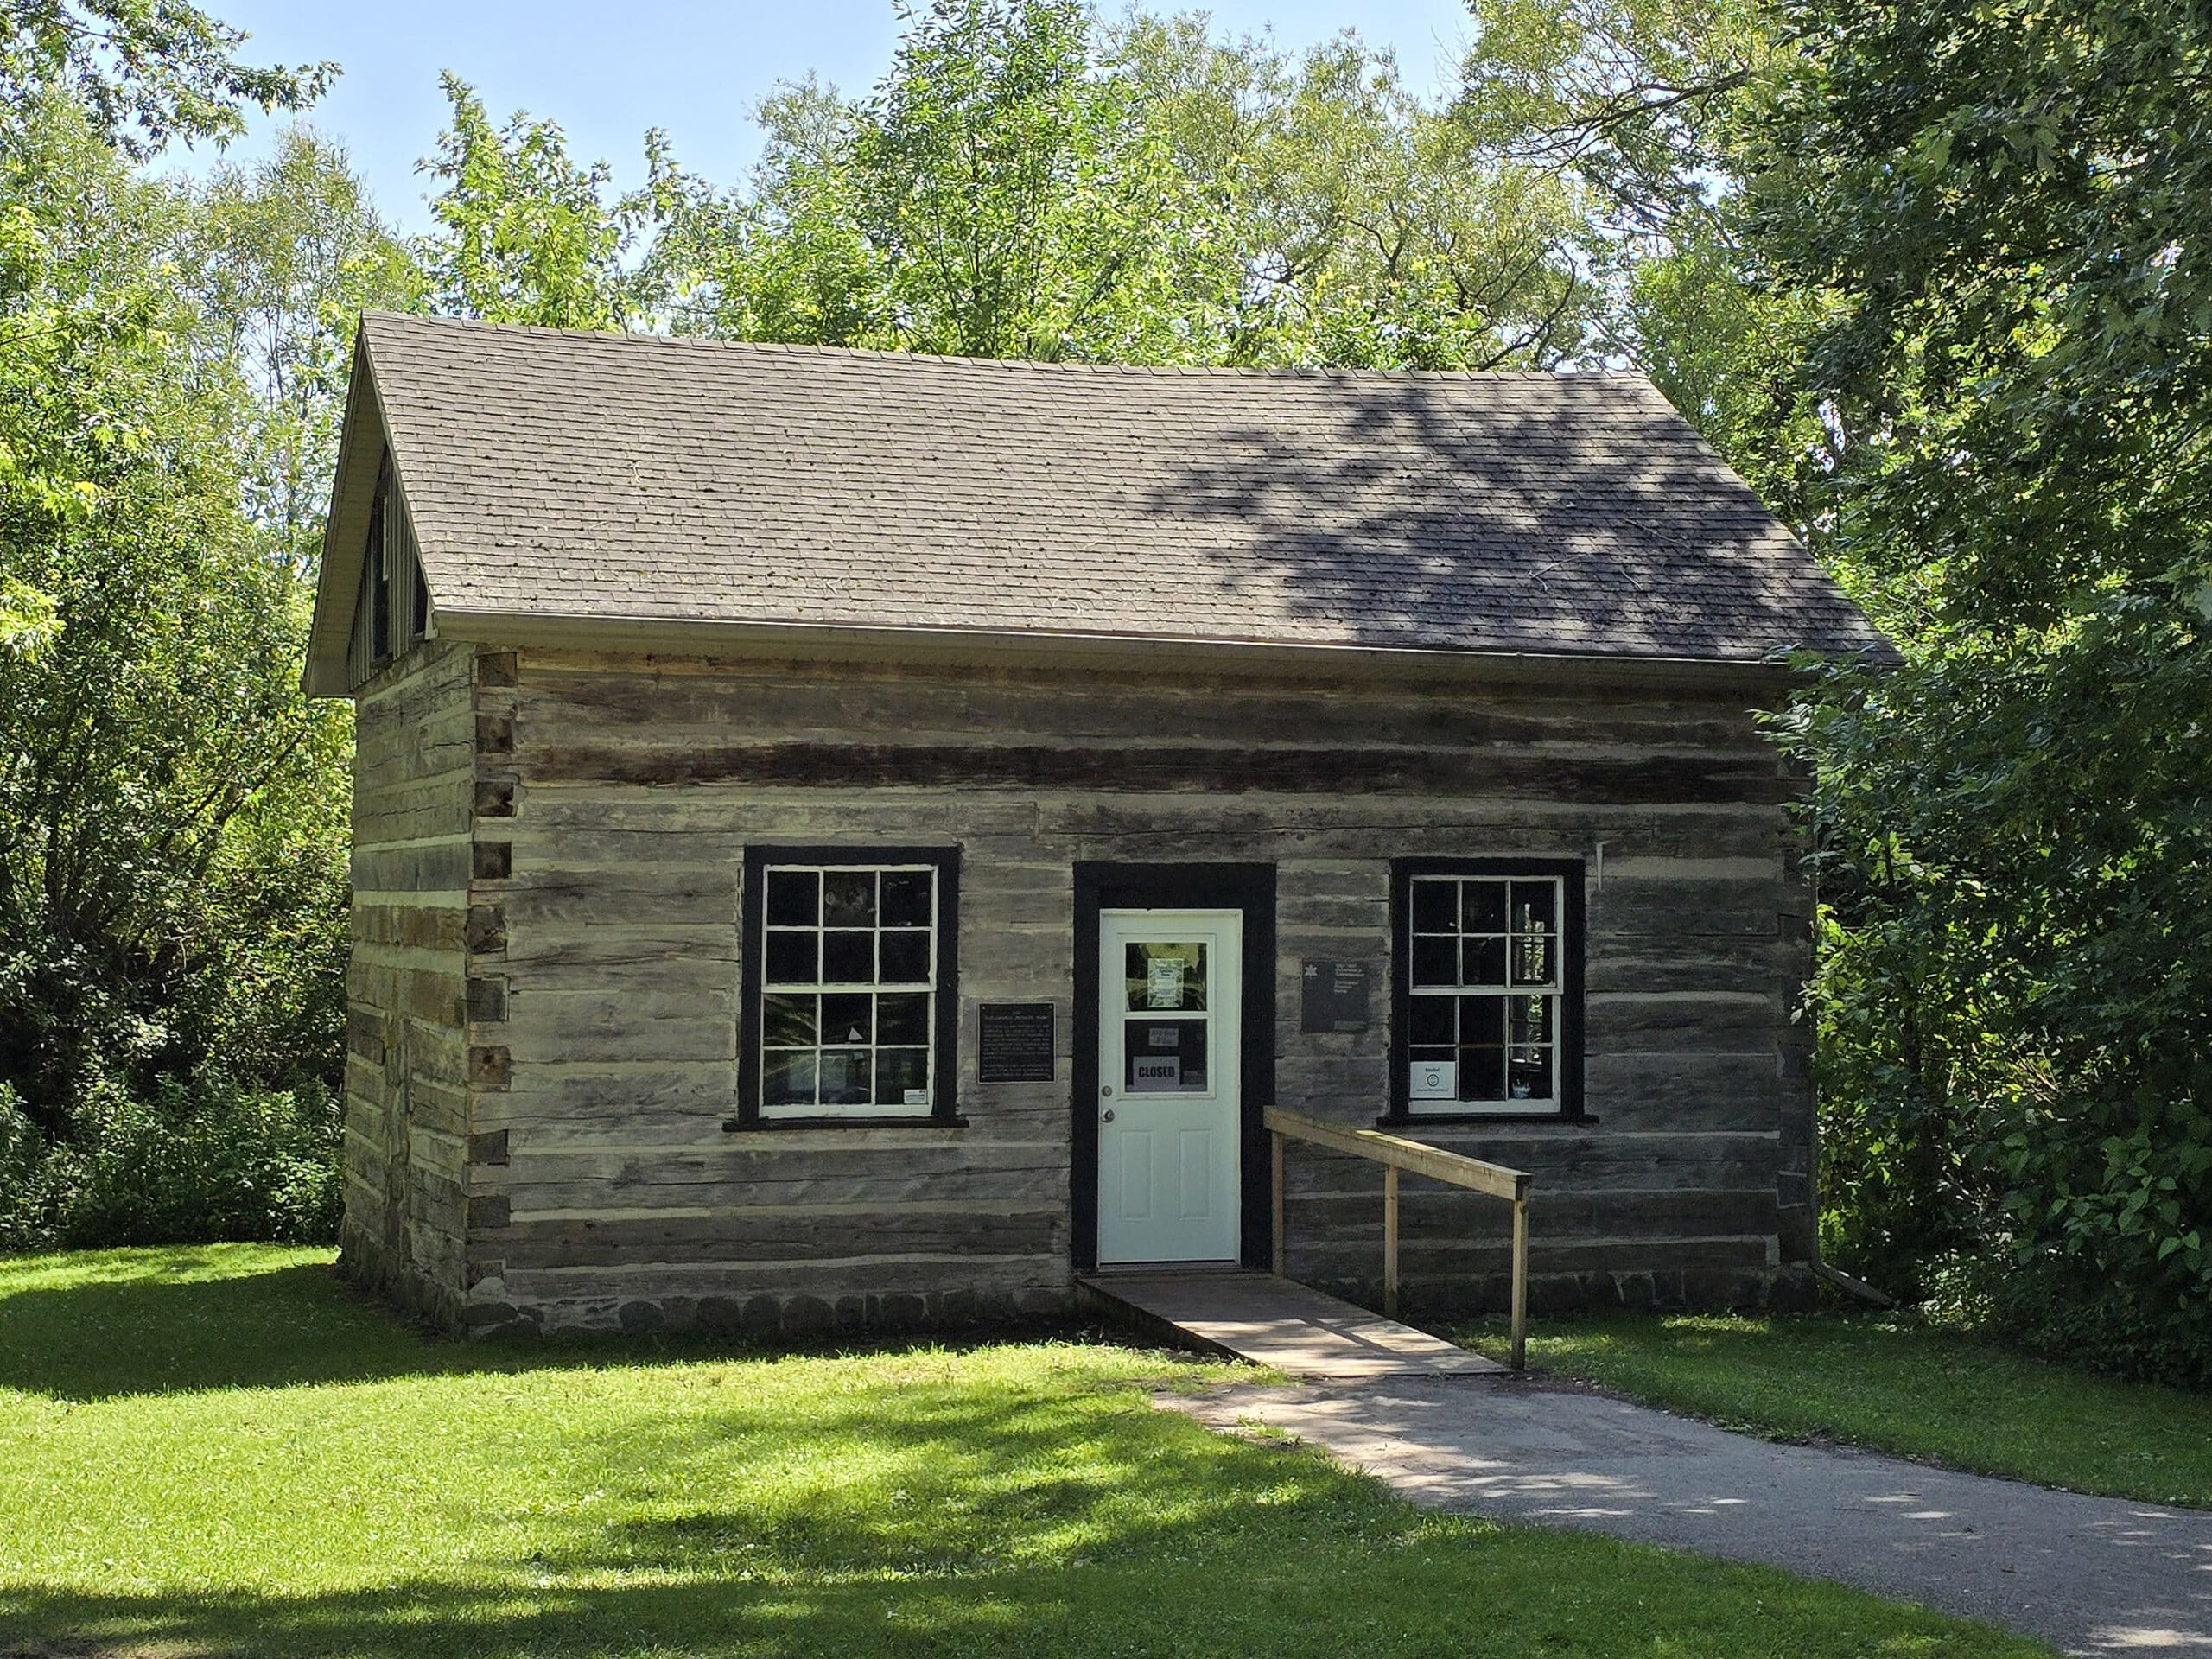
{"x":1396,"y":1153}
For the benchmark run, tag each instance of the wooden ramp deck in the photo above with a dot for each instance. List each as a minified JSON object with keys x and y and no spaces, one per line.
{"x":1272,"y":1321}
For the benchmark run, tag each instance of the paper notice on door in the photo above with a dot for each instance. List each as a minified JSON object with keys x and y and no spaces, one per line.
{"x":1163,"y":982}
{"x":1151,"y":1075}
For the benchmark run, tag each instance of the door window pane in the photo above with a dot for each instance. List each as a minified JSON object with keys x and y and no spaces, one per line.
{"x":1481,"y":961}
{"x":847,"y":1079}
{"x":902,"y":1017}
{"x":850,"y":1018}
{"x":901,"y":1072}
{"x":904,"y":958}
{"x":1436,"y":962}
{"x":1482,"y":1074}
{"x":794,"y":897}
{"x":787,"y":1079}
{"x":787,"y":1021}
{"x":793,"y":959}
{"x":847,"y":958}
{"x":1436,"y":906}
{"x":906,"y":898}
{"x":1165,"y":977}
{"x":848,"y":899}
{"x":1431,"y":1021}
{"x":1164,"y":1057}
{"x":1528,"y":1074}
{"x":1482,"y":906}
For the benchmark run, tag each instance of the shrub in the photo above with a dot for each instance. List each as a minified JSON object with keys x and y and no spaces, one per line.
{"x":28,"y":1168}
{"x":202,"y":1161}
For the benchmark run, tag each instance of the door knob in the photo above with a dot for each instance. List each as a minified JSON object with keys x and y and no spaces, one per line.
{"x":1106,"y":1116}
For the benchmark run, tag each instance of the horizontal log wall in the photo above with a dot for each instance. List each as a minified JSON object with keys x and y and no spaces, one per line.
{"x":405,"y":1224}
{"x":615,"y":796}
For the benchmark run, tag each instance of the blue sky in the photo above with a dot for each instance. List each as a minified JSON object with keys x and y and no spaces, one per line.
{"x":606,"y":73}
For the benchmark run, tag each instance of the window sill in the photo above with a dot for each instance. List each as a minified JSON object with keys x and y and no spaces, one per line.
{"x":741,"y":1126}
{"x":1469,"y":1119}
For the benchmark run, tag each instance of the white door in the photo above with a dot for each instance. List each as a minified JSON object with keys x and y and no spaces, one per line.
{"x":1169,"y":1060}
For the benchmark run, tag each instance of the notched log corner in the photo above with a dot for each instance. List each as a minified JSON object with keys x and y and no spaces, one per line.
{"x":487,"y":1210}
{"x":495,"y":733}
{"x":487,"y":1001}
{"x":486,"y":934}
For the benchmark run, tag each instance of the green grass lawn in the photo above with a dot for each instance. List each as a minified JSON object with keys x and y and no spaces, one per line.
{"x":219,"y":1451}
{"x":1887,"y":1381}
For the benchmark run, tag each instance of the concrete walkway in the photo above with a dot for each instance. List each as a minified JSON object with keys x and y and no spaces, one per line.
{"x":2089,"y":1575}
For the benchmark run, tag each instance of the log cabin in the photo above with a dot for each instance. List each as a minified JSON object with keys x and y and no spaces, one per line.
{"x":845,"y":839}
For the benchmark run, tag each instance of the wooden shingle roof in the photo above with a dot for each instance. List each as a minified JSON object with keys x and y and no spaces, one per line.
{"x":642,"y":479}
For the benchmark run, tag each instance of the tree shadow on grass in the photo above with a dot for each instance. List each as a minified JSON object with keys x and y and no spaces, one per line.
{"x":172,"y":1320}
{"x":95,"y":1325}
{"x":993,"y":1503}
{"x":1435,"y":1589}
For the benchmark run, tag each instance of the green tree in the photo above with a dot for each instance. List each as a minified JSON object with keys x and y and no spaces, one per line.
{"x":2006,"y":204}
{"x":1370,"y":229}
{"x":144,"y":71}
{"x":172,"y":812}
{"x":1650,"y":105}
{"x":280,"y":260}
{"x":1025,"y":183}
{"x":526,"y":235}
{"x":997,"y":196}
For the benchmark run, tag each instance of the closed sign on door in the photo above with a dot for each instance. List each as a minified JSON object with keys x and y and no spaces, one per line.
{"x":1155,"y":1074}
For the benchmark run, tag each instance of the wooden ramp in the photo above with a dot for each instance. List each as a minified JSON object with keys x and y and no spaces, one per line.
{"x":1271,"y":1321}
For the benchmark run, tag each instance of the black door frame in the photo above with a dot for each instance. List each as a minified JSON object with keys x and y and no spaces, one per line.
{"x":1250,"y":888}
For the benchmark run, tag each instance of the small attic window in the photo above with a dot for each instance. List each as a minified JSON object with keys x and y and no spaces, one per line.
{"x":379,"y":582}
{"x":393,"y":612}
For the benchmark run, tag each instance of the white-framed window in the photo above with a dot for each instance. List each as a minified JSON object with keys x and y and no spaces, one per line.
{"x":848,"y":989}
{"x":1485,"y":967}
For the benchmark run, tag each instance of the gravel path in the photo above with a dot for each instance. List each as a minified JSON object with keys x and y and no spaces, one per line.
{"x":2090,"y":1575}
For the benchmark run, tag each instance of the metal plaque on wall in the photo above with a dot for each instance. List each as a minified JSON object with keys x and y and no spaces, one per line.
{"x":1333,"y":996}
{"x":1017,"y":1042}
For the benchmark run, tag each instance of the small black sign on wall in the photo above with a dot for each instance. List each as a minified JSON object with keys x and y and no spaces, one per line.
{"x":1017,"y":1042}
{"x":1333,"y":996}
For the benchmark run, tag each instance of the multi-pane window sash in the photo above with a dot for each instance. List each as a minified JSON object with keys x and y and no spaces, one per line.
{"x":848,"y":990}
{"x":1485,"y":973}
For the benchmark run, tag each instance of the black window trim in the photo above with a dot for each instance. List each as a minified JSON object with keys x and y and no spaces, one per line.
{"x":944,"y":1107}
{"x":1570,"y":873}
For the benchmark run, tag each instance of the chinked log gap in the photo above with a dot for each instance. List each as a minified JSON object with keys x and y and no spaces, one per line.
{"x":1396,"y":1153}
{"x":1650,"y":780}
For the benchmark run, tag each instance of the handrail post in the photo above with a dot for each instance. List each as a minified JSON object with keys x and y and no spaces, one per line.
{"x":1521,"y":1279}
{"x":1396,"y":1154}
{"x":1390,"y":1240}
{"x":1277,"y":1138}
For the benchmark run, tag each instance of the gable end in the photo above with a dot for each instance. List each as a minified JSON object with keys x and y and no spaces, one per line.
{"x":372,"y":599}
{"x":391,"y":603}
